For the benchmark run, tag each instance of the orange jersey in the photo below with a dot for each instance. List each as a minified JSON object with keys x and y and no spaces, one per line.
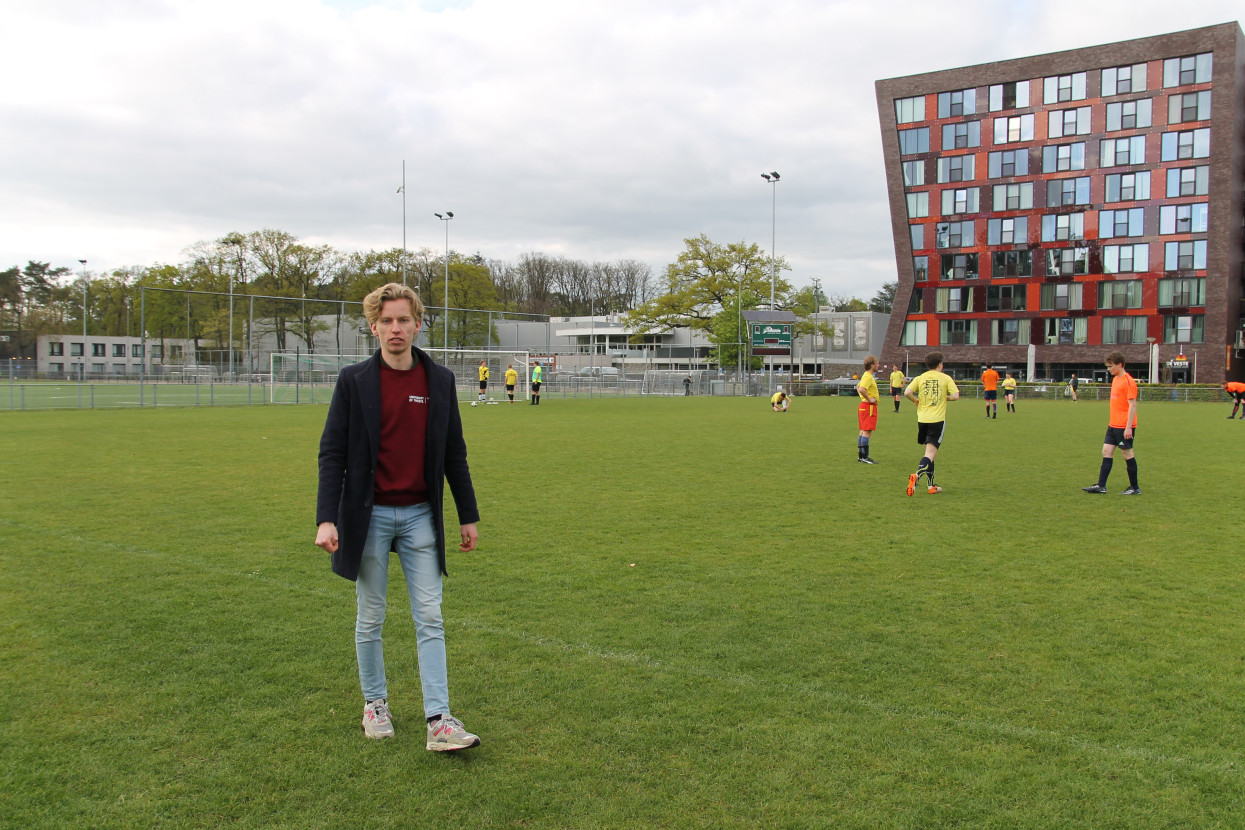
{"x":990,"y":380}
{"x":1236,"y":386}
{"x":1123,"y":390}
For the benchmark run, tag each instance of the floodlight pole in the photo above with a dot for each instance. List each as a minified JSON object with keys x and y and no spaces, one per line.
{"x":449,"y":214}
{"x":772,"y":177}
{"x":402,"y":190}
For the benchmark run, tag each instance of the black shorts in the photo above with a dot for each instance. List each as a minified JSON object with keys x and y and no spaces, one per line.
{"x":1009,"y":392}
{"x":1115,"y":437}
{"x":509,"y":388}
{"x":535,"y":386}
{"x":1240,"y":396}
{"x":931,"y":433}
{"x":896,"y":391}
{"x":992,"y":394}
{"x":483,"y":385}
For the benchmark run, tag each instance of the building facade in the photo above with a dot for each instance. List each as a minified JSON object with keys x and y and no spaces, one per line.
{"x":1051,"y":209}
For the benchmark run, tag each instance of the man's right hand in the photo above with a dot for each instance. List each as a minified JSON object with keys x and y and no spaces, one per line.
{"x":326,"y":537}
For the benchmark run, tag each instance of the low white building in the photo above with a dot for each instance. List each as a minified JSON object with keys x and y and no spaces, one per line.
{"x":100,"y":356}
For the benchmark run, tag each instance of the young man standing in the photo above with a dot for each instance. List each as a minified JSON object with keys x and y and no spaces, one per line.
{"x":930,"y":392}
{"x":1121,"y":428}
{"x":536,"y":376}
{"x":867,"y":412}
{"x":512,"y":377}
{"x":1072,"y":384}
{"x":1009,"y":392}
{"x":990,"y":388}
{"x":897,"y":380}
{"x":483,"y":371}
{"x":391,"y":440}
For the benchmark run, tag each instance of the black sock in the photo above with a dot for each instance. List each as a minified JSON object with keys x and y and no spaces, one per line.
{"x":1131,"y":465}
{"x":929,"y":474}
{"x":864,"y":450}
{"x":1104,"y":471}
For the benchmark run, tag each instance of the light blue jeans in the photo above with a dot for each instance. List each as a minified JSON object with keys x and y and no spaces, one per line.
{"x":410,"y":530}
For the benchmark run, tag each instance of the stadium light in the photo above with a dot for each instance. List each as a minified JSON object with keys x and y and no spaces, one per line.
{"x":402,"y":190}
{"x":772,"y":178}
{"x":449,"y":214}
{"x":83,"y":261}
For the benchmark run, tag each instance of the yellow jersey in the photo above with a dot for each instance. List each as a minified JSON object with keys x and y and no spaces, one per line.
{"x":1009,"y":384}
{"x":896,"y":379}
{"x":512,"y":377}
{"x":483,"y":373}
{"x":777,"y":397}
{"x":868,"y":388}
{"x":932,"y":390}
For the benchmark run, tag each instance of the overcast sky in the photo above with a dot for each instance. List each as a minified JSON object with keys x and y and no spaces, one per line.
{"x":131,"y":129}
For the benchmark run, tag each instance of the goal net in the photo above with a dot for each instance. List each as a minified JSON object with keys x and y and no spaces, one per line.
{"x":295,"y":377}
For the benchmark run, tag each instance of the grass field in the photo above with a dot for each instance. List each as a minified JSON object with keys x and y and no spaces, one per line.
{"x":683,"y":613}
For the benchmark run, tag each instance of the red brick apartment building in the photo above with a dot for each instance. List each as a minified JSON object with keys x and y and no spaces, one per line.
{"x":1057,"y":207}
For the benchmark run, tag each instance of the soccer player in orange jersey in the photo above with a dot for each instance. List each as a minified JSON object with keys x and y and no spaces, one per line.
{"x":1121,"y":428}
{"x":1237,"y":390}
{"x":990,"y":386}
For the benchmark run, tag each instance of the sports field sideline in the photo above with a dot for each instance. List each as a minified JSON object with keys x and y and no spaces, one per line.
{"x":685,"y":612}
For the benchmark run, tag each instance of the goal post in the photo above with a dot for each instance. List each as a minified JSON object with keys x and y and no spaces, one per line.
{"x":293,"y":372}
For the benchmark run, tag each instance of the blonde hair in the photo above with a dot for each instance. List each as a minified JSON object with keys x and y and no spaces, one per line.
{"x":870,"y":362}
{"x":373,"y":302}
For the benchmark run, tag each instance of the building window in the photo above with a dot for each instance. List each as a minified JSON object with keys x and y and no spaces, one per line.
{"x":1190,"y":144}
{"x":1126,"y":259}
{"x":914,"y":141}
{"x":959,"y":266}
{"x":1010,"y":332}
{"x":1119,"y":294}
{"x":1192,"y":106}
{"x":1061,"y":88}
{"x":1013,"y":128}
{"x":1185,"y":256}
{"x":75,"y":350}
{"x":1005,"y":298}
{"x":1128,"y":187}
{"x":1067,"y":192}
{"x":97,"y":368}
{"x":98,"y":350}
{"x":1008,"y":163}
{"x":1064,"y":262}
{"x":961,"y":102}
{"x":1129,"y":115}
{"x":918,"y":236}
{"x":175,"y":352}
{"x":913,"y":173}
{"x":1061,"y":296}
{"x":56,"y":349}
{"x":1182,"y":292}
{"x":1068,"y":122}
{"x":1012,"y":264}
{"x":1122,"y":80}
{"x":963,"y":200}
{"x":1013,"y":196}
{"x":914,"y":333}
{"x":118,"y":350}
{"x":1063,"y":157}
{"x":1007,"y":231}
{"x":920,"y":268}
{"x":1113,"y":152}
{"x":1192,"y":69}
{"x":136,"y":350}
{"x":953,"y":234}
{"x":1187,"y":328}
{"x":1063,"y":226}
{"x":157,"y":352}
{"x":1188,"y":181}
{"x":958,"y":332}
{"x":955,"y":169}
{"x":1183,"y":218}
{"x":918,"y":205}
{"x":908,"y":110}
{"x":1128,"y":222}
{"x":1009,"y":96}
{"x":953,"y":300}
{"x":916,"y":303}
{"x":57,"y":368}
{"x":959,"y":136}
{"x":1066,"y":330}
{"x":1123,"y":330}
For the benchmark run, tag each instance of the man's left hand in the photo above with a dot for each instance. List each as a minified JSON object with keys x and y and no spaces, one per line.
{"x":470,"y":535}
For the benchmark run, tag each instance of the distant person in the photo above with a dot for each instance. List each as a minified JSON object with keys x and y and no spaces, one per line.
{"x":1237,"y":390}
{"x":990,"y":389}
{"x":1072,"y":385}
{"x":391,"y":440}
{"x":779,"y":401}
{"x":1121,"y":428}
{"x":512,"y":377}
{"x":867,"y":411}
{"x":1009,"y":392}
{"x":537,"y":373}
{"x":897,"y":382}
{"x":930,"y":392}
{"x":687,"y":385}
{"x":483,"y":372}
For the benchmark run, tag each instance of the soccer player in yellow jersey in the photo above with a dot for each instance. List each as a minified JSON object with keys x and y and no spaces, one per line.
{"x":867,"y":412}
{"x":779,"y":401}
{"x":483,"y":380}
{"x":512,"y":377}
{"x":930,"y":392}
{"x":1009,"y":392}
{"x":897,"y":381}
{"x":1121,"y":428}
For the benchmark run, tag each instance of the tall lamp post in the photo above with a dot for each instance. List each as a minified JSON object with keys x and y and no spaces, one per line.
{"x":82,"y":376}
{"x":772,"y":177}
{"x":449,"y":214}
{"x":402,"y":190}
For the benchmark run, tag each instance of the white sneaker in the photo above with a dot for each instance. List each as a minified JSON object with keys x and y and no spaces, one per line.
{"x":376,"y":720}
{"x":447,"y":733}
